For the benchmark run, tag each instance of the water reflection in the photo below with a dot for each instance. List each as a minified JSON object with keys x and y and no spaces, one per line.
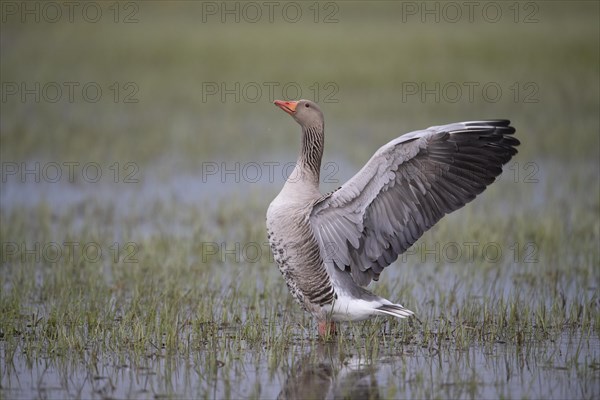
{"x":564,"y":367}
{"x":324,"y":373}
{"x":563,"y":364}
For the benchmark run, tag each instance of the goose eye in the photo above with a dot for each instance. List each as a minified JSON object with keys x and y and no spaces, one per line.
{"x":306,"y":105}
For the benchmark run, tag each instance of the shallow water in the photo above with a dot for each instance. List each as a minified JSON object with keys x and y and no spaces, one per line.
{"x":560,"y":365}
{"x":181,"y":167}
{"x":565,"y":368}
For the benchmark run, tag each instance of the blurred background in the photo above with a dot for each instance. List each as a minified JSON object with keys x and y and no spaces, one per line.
{"x":190,"y":82}
{"x":174,"y":99}
{"x":151,"y":125}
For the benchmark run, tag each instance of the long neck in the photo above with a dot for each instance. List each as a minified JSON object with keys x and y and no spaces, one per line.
{"x":309,"y":160}
{"x":303,"y":183}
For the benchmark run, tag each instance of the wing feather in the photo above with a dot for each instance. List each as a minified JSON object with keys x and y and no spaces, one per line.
{"x":405,"y":188}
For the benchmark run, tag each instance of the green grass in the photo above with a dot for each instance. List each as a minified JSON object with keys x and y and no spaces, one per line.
{"x":181,"y":298}
{"x":169,"y":55}
{"x":177,"y":305}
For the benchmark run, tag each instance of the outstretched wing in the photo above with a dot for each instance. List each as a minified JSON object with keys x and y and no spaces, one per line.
{"x":406,"y":187}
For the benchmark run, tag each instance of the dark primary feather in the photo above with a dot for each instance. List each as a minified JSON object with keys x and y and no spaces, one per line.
{"x":404,"y":189}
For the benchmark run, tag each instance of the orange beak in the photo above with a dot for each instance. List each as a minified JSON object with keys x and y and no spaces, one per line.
{"x":287,"y":106}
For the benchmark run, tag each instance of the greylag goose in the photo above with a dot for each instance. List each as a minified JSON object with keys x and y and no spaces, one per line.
{"x":329,"y":247}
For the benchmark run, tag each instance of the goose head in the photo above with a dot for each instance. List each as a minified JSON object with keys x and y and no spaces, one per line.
{"x":305,"y":112}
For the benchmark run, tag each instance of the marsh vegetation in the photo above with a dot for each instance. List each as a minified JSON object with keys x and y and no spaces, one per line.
{"x":153,"y":278}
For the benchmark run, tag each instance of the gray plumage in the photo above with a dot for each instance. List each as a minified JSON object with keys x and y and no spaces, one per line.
{"x":405,"y":188}
{"x":328,"y":247}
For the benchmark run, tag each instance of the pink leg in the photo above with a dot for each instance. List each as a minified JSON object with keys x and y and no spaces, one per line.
{"x":326,"y":329}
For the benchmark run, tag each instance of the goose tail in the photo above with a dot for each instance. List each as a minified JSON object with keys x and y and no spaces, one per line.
{"x":395,"y":310}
